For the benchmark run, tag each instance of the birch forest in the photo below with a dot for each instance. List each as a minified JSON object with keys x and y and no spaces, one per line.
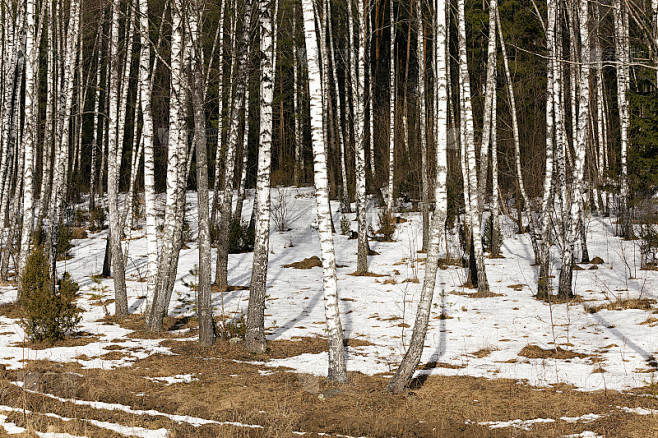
{"x":328,"y":217}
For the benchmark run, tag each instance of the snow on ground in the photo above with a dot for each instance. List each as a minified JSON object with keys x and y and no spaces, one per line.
{"x":479,"y":336}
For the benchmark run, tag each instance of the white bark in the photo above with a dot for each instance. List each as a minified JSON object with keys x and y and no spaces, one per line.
{"x":422,"y":125}
{"x":255,"y":333}
{"x":30,"y":130}
{"x":221,"y":278}
{"x":358,"y":92}
{"x":149,"y":159}
{"x":622,"y":103}
{"x":544,"y":284}
{"x":411,"y":359}
{"x":337,"y":367}
{"x":391,"y":112}
{"x":469,"y":136}
{"x":114,"y":166}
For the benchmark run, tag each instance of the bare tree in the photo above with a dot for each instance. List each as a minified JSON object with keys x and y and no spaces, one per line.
{"x":337,"y":368}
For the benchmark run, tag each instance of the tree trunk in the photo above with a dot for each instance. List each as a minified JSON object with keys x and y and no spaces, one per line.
{"x":476,"y":214}
{"x":360,"y":142}
{"x":412,"y":357}
{"x":255,"y":333}
{"x":337,"y":371}
{"x":221,"y":278}
{"x":114,"y":166}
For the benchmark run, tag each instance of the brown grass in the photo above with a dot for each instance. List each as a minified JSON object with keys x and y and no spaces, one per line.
{"x":308,"y":263}
{"x":283,"y":402}
{"x":366,"y":274}
{"x":624,"y":304}
{"x":487,"y":294}
{"x":536,"y":352}
{"x":78,"y":233}
{"x":11,"y":310}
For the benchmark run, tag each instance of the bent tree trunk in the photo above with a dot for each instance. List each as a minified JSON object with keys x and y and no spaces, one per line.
{"x":411,"y":359}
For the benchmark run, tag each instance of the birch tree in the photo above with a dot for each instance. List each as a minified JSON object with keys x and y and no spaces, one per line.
{"x":358,"y":88}
{"x":177,"y":155}
{"x":114,"y":166}
{"x":29,"y":130}
{"x":405,"y":372}
{"x":221,"y":278}
{"x":255,"y":331}
{"x":197,"y":85}
{"x":622,"y":51}
{"x":392,"y":89}
{"x":574,"y":219}
{"x":475,"y":219}
{"x":337,"y":371}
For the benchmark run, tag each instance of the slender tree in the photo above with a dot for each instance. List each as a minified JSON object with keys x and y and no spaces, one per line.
{"x":337,"y":371}
{"x":255,"y":332}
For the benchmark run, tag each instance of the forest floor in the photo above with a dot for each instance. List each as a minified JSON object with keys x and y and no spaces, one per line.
{"x":504,"y":364}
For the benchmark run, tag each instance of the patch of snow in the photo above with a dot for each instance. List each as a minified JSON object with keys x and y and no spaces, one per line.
{"x":10,"y":427}
{"x":585,"y":434}
{"x":170,"y":380}
{"x":518,"y":424}
{"x":587,"y":418}
{"x":638,"y":411}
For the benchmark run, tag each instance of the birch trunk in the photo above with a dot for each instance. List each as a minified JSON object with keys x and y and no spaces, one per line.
{"x":422,"y":125}
{"x":476,"y":214}
{"x":177,"y":154}
{"x":412,"y":357}
{"x":145,"y":86}
{"x":242,"y":189}
{"x":626,"y":227}
{"x":63,"y":132}
{"x":197,"y":83}
{"x":392,"y":90}
{"x":29,"y":132}
{"x":575,"y":218}
{"x":220,"y":116}
{"x":360,"y":141}
{"x":490,"y":95}
{"x":255,"y":333}
{"x":221,"y":278}
{"x":114,"y":166}
{"x":544,"y":283}
{"x":299,"y":164}
{"x":337,"y":371}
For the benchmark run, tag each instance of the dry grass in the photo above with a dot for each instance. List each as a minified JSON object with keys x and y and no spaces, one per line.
{"x":487,"y":294}
{"x":366,"y":274}
{"x":536,"y":352}
{"x":624,"y":304}
{"x":228,"y":389}
{"x":308,"y":263}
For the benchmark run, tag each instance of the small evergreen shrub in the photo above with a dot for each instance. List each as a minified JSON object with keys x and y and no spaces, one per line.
{"x":97,"y":217}
{"x":48,"y":315}
{"x":233,"y":328}
{"x":241,"y":237}
{"x":386,"y":226}
{"x":649,"y":246}
{"x":345,"y":225}
{"x":64,"y":245}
